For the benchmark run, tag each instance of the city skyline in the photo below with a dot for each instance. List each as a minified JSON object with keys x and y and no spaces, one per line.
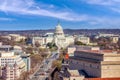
{"x":44,"y":14}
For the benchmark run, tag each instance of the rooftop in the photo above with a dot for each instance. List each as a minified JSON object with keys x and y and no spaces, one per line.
{"x":102,"y":79}
{"x":74,"y":73}
{"x":4,"y":54}
{"x":100,"y":51}
{"x":5,"y":46}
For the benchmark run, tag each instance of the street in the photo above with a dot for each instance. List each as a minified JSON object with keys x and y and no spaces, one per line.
{"x":43,"y":71}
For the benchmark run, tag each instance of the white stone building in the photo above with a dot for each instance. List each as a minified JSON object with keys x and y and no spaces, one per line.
{"x":71,"y":50}
{"x":10,"y":73}
{"x":83,"y":39}
{"x":17,"y":37}
{"x":115,"y":39}
{"x":74,"y":75}
{"x":9,"y":63}
{"x":57,"y":37}
{"x":96,"y":63}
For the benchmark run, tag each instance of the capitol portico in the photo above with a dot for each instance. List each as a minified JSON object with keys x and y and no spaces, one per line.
{"x":58,"y":37}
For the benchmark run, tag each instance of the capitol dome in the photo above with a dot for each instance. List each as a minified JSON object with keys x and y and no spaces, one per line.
{"x":59,"y":30}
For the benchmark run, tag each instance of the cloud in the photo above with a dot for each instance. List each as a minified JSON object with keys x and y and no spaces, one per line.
{"x":30,"y":7}
{"x":6,"y":19}
{"x":104,"y":22}
{"x":115,"y":9}
{"x":113,"y":5}
{"x":103,"y":2}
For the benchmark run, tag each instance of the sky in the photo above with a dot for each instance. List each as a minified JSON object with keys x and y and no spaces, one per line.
{"x":72,"y":14}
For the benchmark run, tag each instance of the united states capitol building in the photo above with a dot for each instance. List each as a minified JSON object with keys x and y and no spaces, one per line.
{"x":58,"y":37}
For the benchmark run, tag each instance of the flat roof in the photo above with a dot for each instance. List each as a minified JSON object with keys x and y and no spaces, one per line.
{"x":100,"y":51}
{"x":102,"y":78}
{"x":86,"y":59}
{"x":5,"y":46}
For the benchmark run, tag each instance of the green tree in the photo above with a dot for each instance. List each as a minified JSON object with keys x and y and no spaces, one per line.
{"x":37,"y":44}
{"x":56,"y":76}
{"x":57,"y":63}
{"x":52,"y":46}
{"x":35,"y":59}
{"x":79,"y":43}
{"x":29,"y":50}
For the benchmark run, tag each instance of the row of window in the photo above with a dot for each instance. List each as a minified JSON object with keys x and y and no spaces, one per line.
{"x":6,"y":59}
{"x":85,"y":64}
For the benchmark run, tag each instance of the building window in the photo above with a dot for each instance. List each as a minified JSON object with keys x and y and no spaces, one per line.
{"x":90,"y":65}
{"x":11,"y":74}
{"x":83,"y":64}
{"x":11,"y":71}
{"x":98,"y":67}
